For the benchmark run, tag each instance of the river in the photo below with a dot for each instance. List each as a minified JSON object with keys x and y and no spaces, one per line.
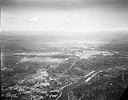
{"x":66,"y":89}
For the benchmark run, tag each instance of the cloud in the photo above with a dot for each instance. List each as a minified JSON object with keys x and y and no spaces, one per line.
{"x":11,"y":17}
{"x":33,"y":19}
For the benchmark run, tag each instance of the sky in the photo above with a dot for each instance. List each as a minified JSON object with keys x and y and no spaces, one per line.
{"x":64,"y":15}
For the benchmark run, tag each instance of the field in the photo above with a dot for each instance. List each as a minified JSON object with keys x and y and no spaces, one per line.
{"x":53,"y":68}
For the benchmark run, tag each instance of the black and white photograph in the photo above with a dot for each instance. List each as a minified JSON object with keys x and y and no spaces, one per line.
{"x":64,"y":49}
